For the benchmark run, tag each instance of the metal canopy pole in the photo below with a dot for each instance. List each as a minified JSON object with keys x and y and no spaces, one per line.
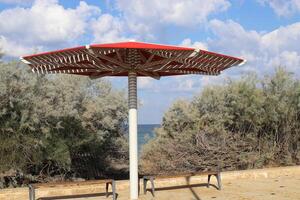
{"x":133,"y":145}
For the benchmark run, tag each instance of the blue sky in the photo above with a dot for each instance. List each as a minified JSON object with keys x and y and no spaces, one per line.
{"x":265,"y":32}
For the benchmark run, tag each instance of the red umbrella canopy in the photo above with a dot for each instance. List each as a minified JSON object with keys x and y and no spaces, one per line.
{"x":117,"y":59}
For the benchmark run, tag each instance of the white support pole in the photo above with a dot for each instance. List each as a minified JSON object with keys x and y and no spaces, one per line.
{"x":133,"y":145}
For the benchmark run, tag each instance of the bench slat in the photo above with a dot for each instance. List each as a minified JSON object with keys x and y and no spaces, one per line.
{"x":75,"y":183}
{"x":184,"y":174}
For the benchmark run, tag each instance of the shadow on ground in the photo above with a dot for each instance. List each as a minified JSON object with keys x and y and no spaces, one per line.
{"x":76,"y":196}
{"x":189,"y":186}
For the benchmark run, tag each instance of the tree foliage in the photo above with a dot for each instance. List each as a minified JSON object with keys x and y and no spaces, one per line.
{"x":245,"y":123}
{"x":48,"y":122}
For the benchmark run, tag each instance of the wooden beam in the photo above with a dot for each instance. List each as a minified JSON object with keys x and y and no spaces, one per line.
{"x":154,"y":75}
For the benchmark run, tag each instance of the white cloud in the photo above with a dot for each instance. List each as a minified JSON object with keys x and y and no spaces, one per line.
{"x":145,"y":17}
{"x":264,"y":51}
{"x":48,"y":25}
{"x":186,"y":84}
{"x":189,"y":83}
{"x":12,"y":48}
{"x":283,"y":38}
{"x":108,"y":28}
{"x":232,"y":37}
{"x":45,"y":24}
{"x":21,"y":2}
{"x":183,"y":13}
{"x":283,"y":7}
{"x":209,"y":80}
{"x":287,"y":58}
{"x":198,"y":45}
{"x":145,"y":82}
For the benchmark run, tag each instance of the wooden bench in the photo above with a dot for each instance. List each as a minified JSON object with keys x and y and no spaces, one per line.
{"x":151,"y":178}
{"x":33,"y":187}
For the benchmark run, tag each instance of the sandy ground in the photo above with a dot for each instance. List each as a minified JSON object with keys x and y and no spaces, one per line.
{"x":264,"y":184}
{"x":280,"y":188}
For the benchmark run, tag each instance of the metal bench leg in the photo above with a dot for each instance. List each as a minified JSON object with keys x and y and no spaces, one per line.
{"x":145,"y":180}
{"x":208,"y":180}
{"x":107,"y":185}
{"x":219,"y":181}
{"x":114,"y":189}
{"x":152,"y":185}
{"x":31,"y":193}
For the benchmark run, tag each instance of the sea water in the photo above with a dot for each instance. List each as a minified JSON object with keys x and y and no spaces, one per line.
{"x":145,"y":133}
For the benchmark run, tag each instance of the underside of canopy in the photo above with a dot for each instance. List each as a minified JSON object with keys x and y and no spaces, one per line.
{"x":117,"y":59}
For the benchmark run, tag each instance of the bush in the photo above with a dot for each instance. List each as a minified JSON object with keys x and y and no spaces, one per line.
{"x":246,"y":123}
{"x":47,"y":121}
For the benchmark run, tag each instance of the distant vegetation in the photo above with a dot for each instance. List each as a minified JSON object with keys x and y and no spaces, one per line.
{"x":59,"y":127}
{"x":247,"y":123}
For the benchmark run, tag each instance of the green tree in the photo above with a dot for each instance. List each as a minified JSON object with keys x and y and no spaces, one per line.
{"x":246,"y":123}
{"x":46,"y":121}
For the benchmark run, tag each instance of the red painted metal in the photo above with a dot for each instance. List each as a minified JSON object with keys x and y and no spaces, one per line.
{"x":139,"y":45}
{"x":53,"y":52}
